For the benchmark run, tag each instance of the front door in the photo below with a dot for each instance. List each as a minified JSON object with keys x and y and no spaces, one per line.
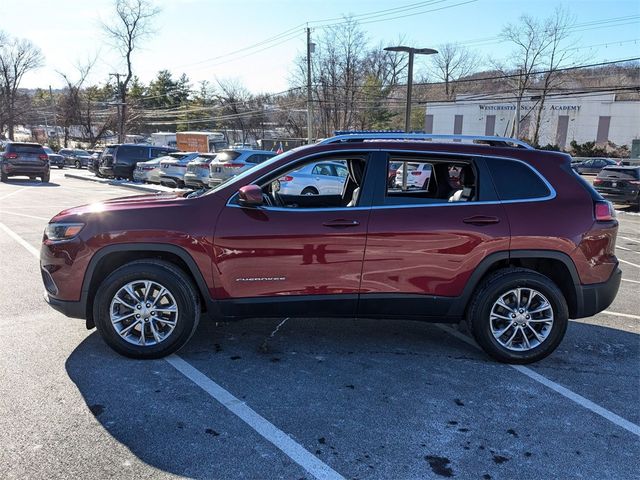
{"x":294,"y":259}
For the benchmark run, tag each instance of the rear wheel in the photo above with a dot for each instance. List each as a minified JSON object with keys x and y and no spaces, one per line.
{"x":3,"y":177}
{"x":78,"y":164}
{"x":518,"y":316}
{"x":146,"y":309}
{"x":46,"y":177}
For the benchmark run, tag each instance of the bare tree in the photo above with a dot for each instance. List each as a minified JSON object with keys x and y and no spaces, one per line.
{"x":131,"y":25}
{"x":453,"y":62}
{"x":556,"y":30}
{"x":17,"y":57}
{"x":531,"y":44}
{"x":71,"y":102}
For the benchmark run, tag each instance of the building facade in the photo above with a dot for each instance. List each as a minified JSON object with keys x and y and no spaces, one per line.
{"x":580,"y":117}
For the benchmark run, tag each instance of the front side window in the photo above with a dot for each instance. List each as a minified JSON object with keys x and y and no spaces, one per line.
{"x":132,"y":153}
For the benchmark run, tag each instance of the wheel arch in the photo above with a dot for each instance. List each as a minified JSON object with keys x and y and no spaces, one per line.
{"x":108,"y":258}
{"x":557,"y":266}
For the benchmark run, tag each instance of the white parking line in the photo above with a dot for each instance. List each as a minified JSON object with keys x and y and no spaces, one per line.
{"x":31,"y":249}
{"x":629,"y":263}
{"x":626,"y":249}
{"x":565,"y":392}
{"x":266,"y":429}
{"x":296,"y":452}
{"x":617,"y":314}
{"x":13,"y":193}
{"x":630,"y":239}
{"x":627,"y":280}
{"x":23,"y":215}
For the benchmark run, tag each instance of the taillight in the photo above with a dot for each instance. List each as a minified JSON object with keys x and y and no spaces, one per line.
{"x":203,"y":165}
{"x":597,"y":181}
{"x":415,"y":173}
{"x":604,"y":211}
{"x":233,"y":165}
{"x":43,"y":157}
{"x":10,"y":156}
{"x":286,"y":178}
{"x":634,"y":182}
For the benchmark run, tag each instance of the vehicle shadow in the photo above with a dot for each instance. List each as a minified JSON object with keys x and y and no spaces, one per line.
{"x":310,"y":367}
{"x":30,"y":183}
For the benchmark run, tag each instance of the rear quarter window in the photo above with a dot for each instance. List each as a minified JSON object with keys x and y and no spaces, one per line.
{"x":515,"y":180}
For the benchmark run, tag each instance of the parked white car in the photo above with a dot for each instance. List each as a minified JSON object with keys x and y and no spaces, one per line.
{"x":418,"y":175}
{"x":149,"y":171}
{"x":322,"y":178}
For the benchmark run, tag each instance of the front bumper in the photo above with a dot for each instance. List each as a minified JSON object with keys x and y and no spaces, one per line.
{"x":68,"y":308}
{"x":594,"y":298}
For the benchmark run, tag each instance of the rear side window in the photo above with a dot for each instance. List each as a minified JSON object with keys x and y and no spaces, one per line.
{"x":127,"y":152}
{"x":515,"y":180}
{"x":227,"y":156}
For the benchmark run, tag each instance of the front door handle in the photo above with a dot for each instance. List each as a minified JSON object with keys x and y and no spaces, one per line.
{"x":341,"y":223}
{"x":481,"y":220}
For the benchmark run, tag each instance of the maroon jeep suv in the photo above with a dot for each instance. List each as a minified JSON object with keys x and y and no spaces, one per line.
{"x":505,"y":237}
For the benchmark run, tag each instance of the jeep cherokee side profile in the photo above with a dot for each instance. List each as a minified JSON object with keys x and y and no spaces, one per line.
{"x":506,"y":237}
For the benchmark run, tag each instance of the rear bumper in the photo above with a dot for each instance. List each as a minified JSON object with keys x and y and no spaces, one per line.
{"x":194,"y":181}
{"x":594,"y":298}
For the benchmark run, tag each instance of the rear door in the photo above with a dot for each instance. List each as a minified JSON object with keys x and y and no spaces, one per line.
{"x":421,"y":248}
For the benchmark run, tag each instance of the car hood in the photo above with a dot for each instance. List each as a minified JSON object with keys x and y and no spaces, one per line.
{"x":136,"y":202}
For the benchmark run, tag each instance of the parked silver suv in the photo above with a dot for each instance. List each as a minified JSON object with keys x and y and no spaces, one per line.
{"x":229,"y":163}
{"x":322,"y":178}
{"x":173,"y":167}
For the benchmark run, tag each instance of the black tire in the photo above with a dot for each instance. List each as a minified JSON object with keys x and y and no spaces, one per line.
{"x":46,"y":177}
{"x":487,"y":294}
{"x":78,"y":164}
{"x":3,"y":177}
{"x":60,"y":167}
{"x":309,"y":191}
{"x":175,"y":281}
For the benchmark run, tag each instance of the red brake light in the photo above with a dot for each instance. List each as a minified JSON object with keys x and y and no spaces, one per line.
{"x":204,"y":165}
{"x":286,"y":178}
{"x":415,"y":173}
{"x":10,"y":155}
{"x":604,"y":212}
{"x":43,"y":157}
{"x":233,"y":165}
{"x":597,"y":181}
{"x":634,"y":182}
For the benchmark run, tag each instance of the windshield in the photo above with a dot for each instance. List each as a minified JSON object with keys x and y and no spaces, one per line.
{"x":266,"y":166}
{"x":48,"y":150}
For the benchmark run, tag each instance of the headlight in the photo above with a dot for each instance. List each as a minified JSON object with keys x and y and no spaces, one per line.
{"x":62,"y":231}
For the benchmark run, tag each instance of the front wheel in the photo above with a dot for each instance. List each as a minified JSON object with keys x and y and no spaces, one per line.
{"x":78,"y":164}
{"x":46,"y":177}
{"x":146,"y":309}
{"x":309,"y":191}
{"x":518,"y":316}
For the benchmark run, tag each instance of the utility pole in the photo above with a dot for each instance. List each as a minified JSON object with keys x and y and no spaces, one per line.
{"x":118,"y":104}
{"x":310,"y":48}
{"x":518,"y":103}
{"x":55,"y":121}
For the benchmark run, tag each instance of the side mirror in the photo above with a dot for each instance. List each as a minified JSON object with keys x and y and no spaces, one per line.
{"x":250,"y":196}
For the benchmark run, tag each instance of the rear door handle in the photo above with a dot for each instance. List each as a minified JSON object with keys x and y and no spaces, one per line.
{"x":341,"y":223}
{"x":481,"y":220}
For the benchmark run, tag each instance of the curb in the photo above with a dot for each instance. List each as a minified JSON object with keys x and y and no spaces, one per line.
{"x":142,"y":188}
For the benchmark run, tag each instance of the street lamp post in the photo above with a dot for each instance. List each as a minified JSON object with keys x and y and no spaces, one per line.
{"x":411,"y":51}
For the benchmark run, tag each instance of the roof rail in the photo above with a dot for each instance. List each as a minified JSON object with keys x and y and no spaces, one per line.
{"x":360,"y":137}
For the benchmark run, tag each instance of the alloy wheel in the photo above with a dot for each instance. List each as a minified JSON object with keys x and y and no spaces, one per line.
{"x":521,"y":319}
{"x":143,"y":312}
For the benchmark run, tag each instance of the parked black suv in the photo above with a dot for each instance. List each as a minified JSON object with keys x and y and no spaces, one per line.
{"x":24,"y":159}
{"x":619,"y":185}
{"x":120,"y":160}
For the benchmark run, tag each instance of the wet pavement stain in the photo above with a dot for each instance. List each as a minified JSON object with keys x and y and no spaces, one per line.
{"x":440,"y":465}
{"x":499,"y":459}
{"x":96,"y":409}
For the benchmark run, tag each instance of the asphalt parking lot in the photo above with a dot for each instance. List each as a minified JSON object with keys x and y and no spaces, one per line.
{"x":313,"y":398}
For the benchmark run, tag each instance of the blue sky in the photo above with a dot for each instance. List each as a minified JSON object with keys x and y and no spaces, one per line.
{"x":198,"y":36}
